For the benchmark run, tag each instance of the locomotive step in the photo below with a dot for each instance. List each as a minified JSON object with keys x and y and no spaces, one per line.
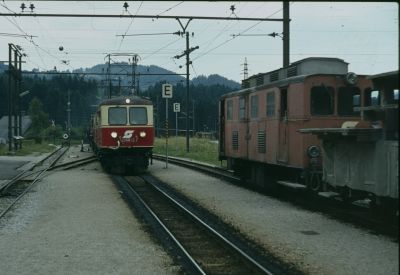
{"x":293,"y":185}
{"x":328,"y":194}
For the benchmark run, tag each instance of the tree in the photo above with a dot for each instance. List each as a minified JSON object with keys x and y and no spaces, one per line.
{"x":40,"y":120}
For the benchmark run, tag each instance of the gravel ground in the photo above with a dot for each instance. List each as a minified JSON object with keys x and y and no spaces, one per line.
{"x":75,"y":222}
{"x":315,"y":244}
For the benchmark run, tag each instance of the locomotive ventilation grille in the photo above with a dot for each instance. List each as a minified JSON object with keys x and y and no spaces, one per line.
{"x":261,"y":142}
{"x":235,"y":140}
{"x":292,"y":71}
{"x":274,"y":76}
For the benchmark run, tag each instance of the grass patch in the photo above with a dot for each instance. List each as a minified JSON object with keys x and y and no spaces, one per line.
{"x":200,"y":149}
{"x":29,"y":147}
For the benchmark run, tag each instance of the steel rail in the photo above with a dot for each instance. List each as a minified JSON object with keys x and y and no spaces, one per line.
{"x":154,"y":215}
{"x":73,"y":164}
{"x":25,"y":174}
{"x":210,"y":229}
{"x":36,"y":179}
{"x":202,"y":167}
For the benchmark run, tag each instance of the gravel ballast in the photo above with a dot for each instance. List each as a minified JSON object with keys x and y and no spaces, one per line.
{"x":75,"y":222}
{"x":312,"y":242}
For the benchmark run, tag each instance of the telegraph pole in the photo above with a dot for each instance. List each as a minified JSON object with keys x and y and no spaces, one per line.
{"x":188,"y":62}
{"x":14,"y":79}
{"x":109,"y":77}
{"x":69,"y":114}
{"x":135,"y":59}
{"x":286,"y":34}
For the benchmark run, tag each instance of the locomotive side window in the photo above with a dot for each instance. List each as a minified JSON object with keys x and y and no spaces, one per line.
{"x":321,"y":100}
{"x":396,"y":94}
{"x":242,"y":108}
{"x":371,"y":97}
{"x":271,"y":104}
{"x":117,"y":116}
{"x":229,"y":109}
{"x":137,"y":115}
{"x":254,"y":106}
{"x":348,"y":98}
{"x":375,"y":98}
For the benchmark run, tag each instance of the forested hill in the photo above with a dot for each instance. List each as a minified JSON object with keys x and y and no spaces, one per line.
{"x":85,"y":94}
{"x":147,"y":76}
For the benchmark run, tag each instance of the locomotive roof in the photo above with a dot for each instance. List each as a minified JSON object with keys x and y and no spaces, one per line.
{"x":137,"y":100}
{"x":279,"y":83}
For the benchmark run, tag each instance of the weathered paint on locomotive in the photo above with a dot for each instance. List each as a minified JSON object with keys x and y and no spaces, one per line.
{"x":364,"y":157}
{"x":264,"y":130}
{"x":284,"y":145}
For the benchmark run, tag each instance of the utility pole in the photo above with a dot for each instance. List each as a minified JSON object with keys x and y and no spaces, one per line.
{"x":14,"y":80}
{"x":135,"y":59}
{"x":109,"y":77}
{"x":286,"y":34}
{"x":69,"y":114}
{"x":188,"y":62}
{"x":245,"y":69}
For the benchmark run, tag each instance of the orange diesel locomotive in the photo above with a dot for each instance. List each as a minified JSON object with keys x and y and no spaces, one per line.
{"x":259,"y":124}
{"x":122,"y":133}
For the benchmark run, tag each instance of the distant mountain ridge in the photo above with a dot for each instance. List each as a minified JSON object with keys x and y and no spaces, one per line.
{"x":146,"y":76}
{"x":150,"y":75}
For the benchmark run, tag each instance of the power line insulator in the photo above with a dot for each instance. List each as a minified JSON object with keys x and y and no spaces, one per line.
{"x":126,"y":6}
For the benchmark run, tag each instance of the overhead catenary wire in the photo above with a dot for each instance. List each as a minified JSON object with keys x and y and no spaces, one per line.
{"x":130,"y":24}
{"x":228,"y":40}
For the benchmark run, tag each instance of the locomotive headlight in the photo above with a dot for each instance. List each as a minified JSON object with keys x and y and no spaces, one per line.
{"x":313,"y":151}
{"x":142,"y":134}
{"x":114,"y":134}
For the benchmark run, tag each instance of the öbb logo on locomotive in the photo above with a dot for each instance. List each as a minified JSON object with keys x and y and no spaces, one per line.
{"x":128,"y":134}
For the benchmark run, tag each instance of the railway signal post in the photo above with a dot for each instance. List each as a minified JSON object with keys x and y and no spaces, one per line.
{"x":166,"y":93}
{"x":177,"y":109}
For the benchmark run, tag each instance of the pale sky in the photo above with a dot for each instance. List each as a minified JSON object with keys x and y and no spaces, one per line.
{"x":364,"y":34}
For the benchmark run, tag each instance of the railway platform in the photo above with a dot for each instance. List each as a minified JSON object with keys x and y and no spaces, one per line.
{"x":76,"y":222}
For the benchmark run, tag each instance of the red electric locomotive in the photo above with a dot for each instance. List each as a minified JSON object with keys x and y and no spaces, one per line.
{"x":122,"y":133}
{"x":259,"y":124}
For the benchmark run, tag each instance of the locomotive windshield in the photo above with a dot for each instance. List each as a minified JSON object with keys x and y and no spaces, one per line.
{"x":137,"y":115}
{"x":117,"y":116}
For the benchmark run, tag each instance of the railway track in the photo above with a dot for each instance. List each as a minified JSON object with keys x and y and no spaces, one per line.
{"x":14,"y":190}
{"x":200,"y":248}
{"x":376,"y":220}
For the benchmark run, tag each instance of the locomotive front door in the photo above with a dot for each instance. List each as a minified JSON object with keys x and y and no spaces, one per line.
{"x":283,"y":136}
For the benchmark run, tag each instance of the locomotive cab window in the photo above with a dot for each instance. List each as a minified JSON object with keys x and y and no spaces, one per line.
{"x":396,"y":95}
{"x":348,"y":98}
{"x":117,"y":116}
{"x":372,"y":97}
{"x":321,"y":100}
{"x":137,"y":115}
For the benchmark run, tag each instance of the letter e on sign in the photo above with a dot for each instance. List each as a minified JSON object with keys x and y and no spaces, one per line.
{"x":177,"y":107}
{"x":167,"y":91}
